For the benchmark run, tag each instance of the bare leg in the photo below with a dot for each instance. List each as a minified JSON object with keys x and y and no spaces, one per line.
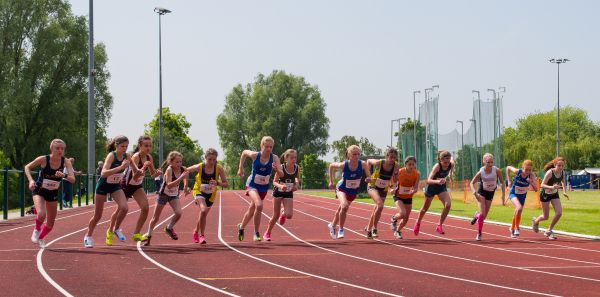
{"x":276,"y":211}
{"x":557,"y":213}
{"x":98,"y":209}
{"x":447,"y":202}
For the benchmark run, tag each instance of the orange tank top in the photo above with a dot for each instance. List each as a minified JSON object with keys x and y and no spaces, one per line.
{"x":405,"y":183}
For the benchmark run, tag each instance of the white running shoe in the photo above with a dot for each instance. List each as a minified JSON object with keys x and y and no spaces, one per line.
{"x":35,"y":236}
{"x":332,"y":231}
{"x":340,"y":233}
{"x":398,"y":235}
{"x":42,"y":243}
{"x":88,"y":242}
{"x":517,"y":233}
{"x":478,"y":238}
{"x":119,"y":234}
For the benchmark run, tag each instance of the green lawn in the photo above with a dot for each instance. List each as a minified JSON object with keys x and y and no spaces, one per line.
{"x":581,"y":214}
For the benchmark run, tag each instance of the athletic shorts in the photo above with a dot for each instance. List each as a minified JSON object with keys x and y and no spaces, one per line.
{"x":403,"y":200}
{"x":279,"y":194}
{"x":48,"y":195}
{"x":488,"y":195}
{"x":382,"y":192}
{"x":521,"y":198}
{"x":433,"y":190}
{"x":104,"y":188}
{"x":130,"y":189}
{"x":209,"y":198}
{"x":261,"y":194}
{"x":349,"y":197}
{"x":547,"y":197}
{"x":164,"y":199}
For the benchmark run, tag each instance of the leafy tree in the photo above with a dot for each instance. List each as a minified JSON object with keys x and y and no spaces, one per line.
{"x":175,"y":133}
{"x":43,"y":81}
{"x":314,"y":172}
{"x":340,"y":146}
{"x":281,"y":105}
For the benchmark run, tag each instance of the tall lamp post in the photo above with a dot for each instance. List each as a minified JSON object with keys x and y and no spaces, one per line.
{"x":427,"y":91}
{"x":415,"y":121}
{"x":558,"y":62}
{"x":91,"y":166}
{"x":474,"y":121}
{"x":462,"y":146}
{"x":161,"y":146}
{"x":392,"y":130}
{"x":478,"y":119}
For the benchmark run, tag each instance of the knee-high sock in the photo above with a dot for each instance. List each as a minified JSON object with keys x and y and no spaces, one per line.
{"x":479,"y":223}
{"x":513,"y":222}
{"x":517,"y":221}
{"x":45,"y":231}
{"x":38,"y":224}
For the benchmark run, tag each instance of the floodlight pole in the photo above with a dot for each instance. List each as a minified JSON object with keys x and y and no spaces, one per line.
{"x":91,"y":149}
{"x":462,"y":147}
{"x":415,"y":121}
{"x":161,"y":144}
{"x":558,"y":62}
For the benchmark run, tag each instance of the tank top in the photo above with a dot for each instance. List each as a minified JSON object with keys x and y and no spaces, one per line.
{"x":520,"y":185}
{"x":47,"y":178}
{"x":488,"y":182}
{"x":350,"y":182}
{"x":440,"y":174}
{"x":261,"y":173}
{"x":380,"y":177}
{"x":128,"y":180}
{"x":115,"y":178}
{"x":405,"y":183}
{"x":202,"y":180}
{"x":289,"y":179}
{"x":554,"y":180}
{"x":174,"y":191}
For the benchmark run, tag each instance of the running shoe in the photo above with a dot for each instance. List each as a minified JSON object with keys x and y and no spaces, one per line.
{"x":478,"y":238}
{"x":512,"y":233}
{"x":171,"y":233}
{"x":267,"y":236}
{"x":35,"y":235}
{"x":474,"y":220}
{"x":340,"y":233}
{"x":517,"y":232}
{"x":195,"y":238}
{"x":439,"y":229}
{"x":240,"y":232}
{"x":257,"y":236}
{"x":374,"y":232}
{"x":394,"y":223}
{"x":42,"y":243}
{"x":416,"y":228}
{"x":550,"y":234}
{"x":138,"y":237}
{"x":109,"y":238}
{"x":88,"y":242}
{"x":535,"y":226}
{"x":202,"y":239}
{"x":332,"y":231}
{"x":147,"y":241}
{"x":120,"y":235}
{"x":369,"y":234}
{"x":282,"y":219}
{"x":398,"y":235}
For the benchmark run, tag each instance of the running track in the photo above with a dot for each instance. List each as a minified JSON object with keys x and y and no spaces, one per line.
{"x":300,"y":260}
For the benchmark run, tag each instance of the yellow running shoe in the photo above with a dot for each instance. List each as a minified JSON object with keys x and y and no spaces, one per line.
{"x":109,"y":237}
{"x":139,"y":237}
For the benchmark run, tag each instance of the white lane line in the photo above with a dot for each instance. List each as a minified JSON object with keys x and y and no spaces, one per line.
{"x":441,"y":254}
{"x":492,"y":247}
{"x":165,"y":268}
{"x":286,"y":267}
{"x":57,"y":219}
{"x":561,"y":267}
{"x":584,"y":236}
{"x":396,"y":266}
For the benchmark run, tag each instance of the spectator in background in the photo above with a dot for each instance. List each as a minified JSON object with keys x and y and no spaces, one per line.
{"x":68,"y":187}
{"x":99,"y":168}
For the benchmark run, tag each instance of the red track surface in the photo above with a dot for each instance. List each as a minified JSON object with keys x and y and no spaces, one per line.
{"x":301,"y":259}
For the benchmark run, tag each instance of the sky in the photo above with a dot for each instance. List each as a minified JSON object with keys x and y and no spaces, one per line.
{"x":366,"y":57}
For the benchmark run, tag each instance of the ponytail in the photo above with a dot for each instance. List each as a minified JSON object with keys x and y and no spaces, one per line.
{"x":172,"y":155}
{"x":552,"y":163}
{"x":139,"y":142}
{"x":113,"y":143}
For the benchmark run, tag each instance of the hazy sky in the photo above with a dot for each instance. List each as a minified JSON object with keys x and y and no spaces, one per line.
{"x":366,"y":57}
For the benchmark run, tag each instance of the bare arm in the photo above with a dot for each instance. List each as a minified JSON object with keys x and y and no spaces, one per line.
{"x":223,"y":177}
{"x":367,"y":171}
{"x":298,"y":179}
{"x":276,"y":181}
{"x":70,"y":172}
{"x":502,"y":185}
{"x":107,"y":171}
{"x":277,"y":165}
{"x":545,"y":184}
{"x":332,"y":168}
{"x":245,"y":154}
{"x":533,"y":183}
{"x":475,"y":179}
{"x":510,"y":169}
{"x":33,"y":164}
{"x":433,"y":172}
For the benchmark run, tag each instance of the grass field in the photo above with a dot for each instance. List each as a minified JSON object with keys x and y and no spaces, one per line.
{"x":581,"y":214}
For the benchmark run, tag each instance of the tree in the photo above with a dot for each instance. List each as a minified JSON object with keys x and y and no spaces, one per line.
{"x":281,"y":105}
{"x":339,"y":147}
{"x":175,"y":133}
{"x":43,"y":81}
{"x":313,"y":172}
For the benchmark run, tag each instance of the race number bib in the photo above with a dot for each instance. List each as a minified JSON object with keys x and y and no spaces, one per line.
{"x":289,"y":186}
{"x":489,"y":186}
{"x":381,"y":183}
{"x":115,"y":178}
{"x":352,"y":183}
{"x":521,"y":190}
{"x":404,"y":190}
{"x":553,"y":191}
{"x":136,"y":182}
{"x":207,"y":188}
{"x":174,"y":191}
{"x":51,"y":185}
{"x":261,"y":179}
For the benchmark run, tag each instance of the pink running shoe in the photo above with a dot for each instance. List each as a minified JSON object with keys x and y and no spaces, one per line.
{"x":439,"y":229}
{"x":282,"y":219}
{"x":267,"y":236}
{"x":202,"y":239}
{"x":416,"y":229}
{"x":195,"y":238}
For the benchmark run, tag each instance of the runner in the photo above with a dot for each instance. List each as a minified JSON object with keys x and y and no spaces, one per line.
{"x":553,"y":181}
{"x":488,"y":178}
{"x":378,"y":188}
{"x":408,"y":184}
{"x":524,"y":178}
{"x":45,"y":188}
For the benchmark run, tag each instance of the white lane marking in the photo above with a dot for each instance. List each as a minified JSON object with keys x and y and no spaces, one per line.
{"x":285,"y":267}
{"x":441,"y":254}
{"x":561,"y":267}
{"x":165,"y":268}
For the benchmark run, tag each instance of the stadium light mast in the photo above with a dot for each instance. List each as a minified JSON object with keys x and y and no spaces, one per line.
{"x":392,"y":130}
{"x":462,"y":146}
{"x":478,"y":119}
{"x":558,"y":62}
{"x":91,"y":149}
{"x":427,"y":91}
{"x":415,"y":121}
{"x":161,"y":145}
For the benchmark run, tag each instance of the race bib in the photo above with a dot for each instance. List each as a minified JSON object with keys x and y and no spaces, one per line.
{"x":289,"y":186}
{"x":553,"y":191}
{"x":521,"y":190}
{"x":261,"y":179}
{"x":352,"y":183}
{"x":51,"y":185}
{"x":381,"y":183}
{"x":174,"y":191}
{"x":207,"y":188}
{"x":115,"y":178}
{"x":136,"y":182}
{"x":489,"y":186}
{"x":404,"y":190}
